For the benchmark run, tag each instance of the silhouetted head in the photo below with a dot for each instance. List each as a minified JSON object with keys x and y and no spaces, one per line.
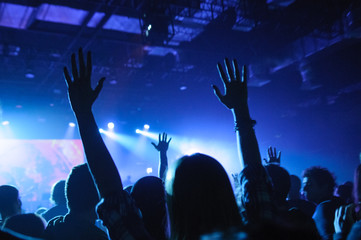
{"x":81,"y":193}
{"x":345,"y":192}
{"x":149,"y":196}
{"x":295,"y":188}
{"x":29,"y":224}
{"x":280,"y":180}
{"x":318,"y":184}
{"x":10,"y":203}
{"x":200,"y":198}
{"x":58,"y":193}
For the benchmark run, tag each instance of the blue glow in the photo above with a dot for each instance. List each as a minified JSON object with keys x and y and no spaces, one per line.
{"x":146,"y":126}
{"x":126,"y":141}
{"x":151,"y":135}
{"x":71,"y":124}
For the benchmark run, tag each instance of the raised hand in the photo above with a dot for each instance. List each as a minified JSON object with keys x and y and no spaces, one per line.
{"x":81,"y":94}
{"x":235,"y":85}
{"x":273,"y":157}
{"x":344,"y":219}
{"x":163,"y":143}
{"x":236,"y":99}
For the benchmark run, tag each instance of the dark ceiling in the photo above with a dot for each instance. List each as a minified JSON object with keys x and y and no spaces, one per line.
{"x":304,"y":58}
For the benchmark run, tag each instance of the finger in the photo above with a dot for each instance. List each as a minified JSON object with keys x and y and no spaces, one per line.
{"x":98,"y":87}
{"x":274,"y":152}
{"x":222,"y":74}
{"x":74,"y":68}
{"x":67,"y":77}
{"x":229,"y":70}
{"x":89,"y":66}
{"x":81,"y":64}
{"x":154,"y":144}
{"x":218,"y":93}
{"x":244,"y":74}
{"x":269,"y":151}
{"x":236,"y":69}
{"x":279,"y":155}
{"x":266,"y":161}
{"x":169,"y":140}
{"x":159,"y":137}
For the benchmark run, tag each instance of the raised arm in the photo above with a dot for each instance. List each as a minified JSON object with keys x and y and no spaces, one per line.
{"x":82,"y":97}
{"x":235,"y":98}
{"x":162,"y":147}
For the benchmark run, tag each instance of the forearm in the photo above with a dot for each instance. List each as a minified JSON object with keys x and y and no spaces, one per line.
{"x":163,"y":165}
{"x":246,"y":138}
{"x":100,"y":162}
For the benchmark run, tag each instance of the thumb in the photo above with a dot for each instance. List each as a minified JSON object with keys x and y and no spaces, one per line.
{"x":217,"y":92}
{"x":99,"y":87}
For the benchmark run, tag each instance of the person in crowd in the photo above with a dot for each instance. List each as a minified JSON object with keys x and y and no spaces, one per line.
{"x":318,"y":187}
{"x":255,"y":194}
{"x":347,"y":218}
{"x":296,"y":201}
{"x":10,"y":203}
{"x":263,"y":202}
{"x":345,"y":192}
{"x":117,"y":209}
{"x":29,"y":224}
{"x":162,"y":148}
{"x":149,"y":196}
{"x":58,"y":198}
{"x":82,"y":197}
{"x":290,"y":218}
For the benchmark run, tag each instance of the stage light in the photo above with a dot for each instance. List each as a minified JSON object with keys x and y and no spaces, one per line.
{"x":111,"y":125}
{"x":149,"y":170}
{"x":5,"y":123}
{"x":146,"y":126}
{"x":71,"y":124}
{"x":138,"y":131}
{"x":101,"y":130}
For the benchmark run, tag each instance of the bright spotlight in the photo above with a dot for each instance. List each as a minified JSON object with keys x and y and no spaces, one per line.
{"x":71,"y":124}
{"x":111,"y":125}
{"x":146,"y":126}
{"x":101,"y":130}
{"x":137,"y":131}
{"x":5,"y":123}
{"x":149,"y":170}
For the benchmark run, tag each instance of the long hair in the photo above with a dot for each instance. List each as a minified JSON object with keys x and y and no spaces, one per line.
{"x":200,"y":198}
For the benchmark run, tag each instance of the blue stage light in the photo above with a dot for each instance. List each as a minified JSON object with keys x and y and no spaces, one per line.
{"x":111,"y":125}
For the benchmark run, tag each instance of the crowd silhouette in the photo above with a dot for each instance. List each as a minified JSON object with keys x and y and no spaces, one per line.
{"x":192,"y":198}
